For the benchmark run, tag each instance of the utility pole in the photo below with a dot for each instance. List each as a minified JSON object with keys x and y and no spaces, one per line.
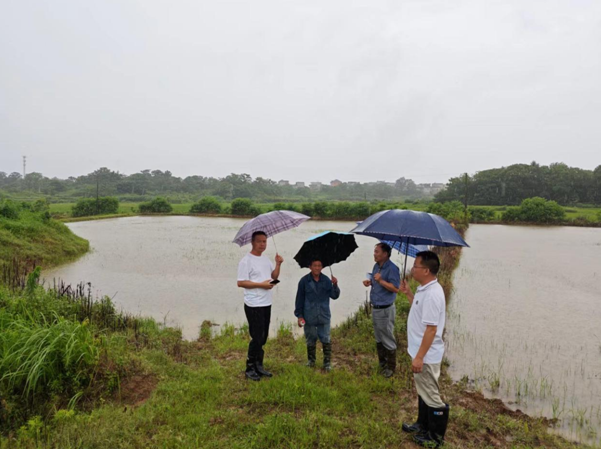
{"x":97,"y":193}
{"x":465,"y":201}
{"x":24,"y":166}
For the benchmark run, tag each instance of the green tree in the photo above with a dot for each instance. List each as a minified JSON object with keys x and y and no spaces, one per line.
{"x":206,"y":205}
{"x":159,"y":205}
{"x":535,"y":210}
{"x":242,"y":206}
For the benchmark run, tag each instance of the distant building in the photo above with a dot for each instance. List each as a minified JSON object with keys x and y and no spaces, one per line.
{"x":335,"y":182}
{"x":316,"y":185}
{"x":353,"y":183}
{"x":283,"y":182}
{"x":299,"y":185}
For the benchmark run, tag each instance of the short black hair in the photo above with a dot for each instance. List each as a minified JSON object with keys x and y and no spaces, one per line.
{"x":386,"y":248}
{"x":430,"y":260}
{"x":256,"y":233}
{"x":315,"y":259}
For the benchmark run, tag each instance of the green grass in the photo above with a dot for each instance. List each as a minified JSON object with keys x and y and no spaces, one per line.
{"x":32,"y":237}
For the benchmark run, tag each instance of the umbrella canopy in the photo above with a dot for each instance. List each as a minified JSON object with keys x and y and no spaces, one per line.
{"x":330,"y":247}
{"x":271,"y":223}
{"x":409,"y":226}
{"x":407,"y":249}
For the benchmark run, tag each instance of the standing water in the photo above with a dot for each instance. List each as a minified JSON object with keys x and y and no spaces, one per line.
{"x":183,"y":270}
{"x":524,"y":322}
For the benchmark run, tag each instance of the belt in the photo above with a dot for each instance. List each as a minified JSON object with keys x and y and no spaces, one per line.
{"x":381,"y":307}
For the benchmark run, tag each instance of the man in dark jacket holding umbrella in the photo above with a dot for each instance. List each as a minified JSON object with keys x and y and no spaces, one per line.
{"x":312,"y":310}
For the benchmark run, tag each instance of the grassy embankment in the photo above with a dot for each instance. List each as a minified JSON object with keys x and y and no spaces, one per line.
{"x":77,"y":374}
{"x":33,"y":237}
{"x":579,"y":216}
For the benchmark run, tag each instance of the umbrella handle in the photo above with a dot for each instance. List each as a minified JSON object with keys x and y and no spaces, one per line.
{"x":275,"y":246}
{"x":405,"y":264}
{"x":331,"y":274}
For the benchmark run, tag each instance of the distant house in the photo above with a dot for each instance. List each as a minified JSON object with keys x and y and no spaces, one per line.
{"x":335,"y":182}
{"x":283,"y":182}
{"x":316,"y":185}
{"x":353,"y":183}
{"x":299,"y":185}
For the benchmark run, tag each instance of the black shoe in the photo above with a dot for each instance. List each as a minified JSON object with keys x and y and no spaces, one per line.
{"x":311,"y":350}
{"x":438,"y":418}
{"x":381,"y":356}
{"x":259,"y":366}
{"x":327,"y":356}
{"x":421,"y":425}
{"x":251,"y":372}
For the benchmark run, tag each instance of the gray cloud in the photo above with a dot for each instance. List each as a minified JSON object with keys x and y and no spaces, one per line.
{"x":299,"y":90}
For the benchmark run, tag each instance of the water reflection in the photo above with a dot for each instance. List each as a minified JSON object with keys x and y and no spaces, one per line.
{"x":524,"y":321}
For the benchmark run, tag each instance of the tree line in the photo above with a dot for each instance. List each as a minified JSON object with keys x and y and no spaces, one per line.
{"x":147,"y":184}
{"x":515,"y":183}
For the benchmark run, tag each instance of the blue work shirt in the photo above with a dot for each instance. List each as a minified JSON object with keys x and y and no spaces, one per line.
{"x":313,"y":299}
{"x":379,"y":296}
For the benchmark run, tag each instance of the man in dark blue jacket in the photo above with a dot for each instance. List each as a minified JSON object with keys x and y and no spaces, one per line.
{"x":313,"y":311}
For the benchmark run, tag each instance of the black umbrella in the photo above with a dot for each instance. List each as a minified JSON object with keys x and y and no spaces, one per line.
{"x":330,"y":247}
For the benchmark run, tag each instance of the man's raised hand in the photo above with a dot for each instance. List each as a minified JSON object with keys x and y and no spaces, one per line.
{"x":279,"y":260}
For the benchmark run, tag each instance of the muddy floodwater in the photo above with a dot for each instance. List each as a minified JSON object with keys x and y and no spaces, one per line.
{"x":182,"y":270}
{"x":524,"y":322}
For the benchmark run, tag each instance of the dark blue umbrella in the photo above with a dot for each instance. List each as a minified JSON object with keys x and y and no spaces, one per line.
{"x":407,"y":249}
{"x":409,"y":227}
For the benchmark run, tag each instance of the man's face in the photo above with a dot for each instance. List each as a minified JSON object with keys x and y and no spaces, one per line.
{"x":316,"y":267}
{"x":379,"y":255}
{"x":259,"y":243}
{"x":419,"y":271}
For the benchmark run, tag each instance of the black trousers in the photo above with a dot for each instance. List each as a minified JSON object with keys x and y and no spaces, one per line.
{"x":258,"y":327}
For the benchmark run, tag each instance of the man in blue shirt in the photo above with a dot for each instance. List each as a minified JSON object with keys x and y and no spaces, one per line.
{"x":312,"y":310}
{"x":385,"y":282}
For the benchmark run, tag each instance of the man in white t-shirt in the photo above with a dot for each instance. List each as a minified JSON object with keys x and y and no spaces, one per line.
{"x":256,"y":275}
{"x":425,"y":326}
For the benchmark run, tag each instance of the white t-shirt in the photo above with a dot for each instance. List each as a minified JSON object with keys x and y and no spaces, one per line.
{"x":255,"y":269}
{"x":428,"y":308}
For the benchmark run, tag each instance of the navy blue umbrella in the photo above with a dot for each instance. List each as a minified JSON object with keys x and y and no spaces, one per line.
{"x":409,"y":227}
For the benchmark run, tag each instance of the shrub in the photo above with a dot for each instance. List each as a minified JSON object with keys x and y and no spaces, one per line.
{"x":242,"y":206}
{"x":90,"y":206}
{"x":207,"y":205}
{"x":535,"y":210}
{"x":321,"y":209}
{"x":159,"y":205}
{"x":481,"y":214}
{"x":451,"y":211}
{"x":9,"y":209}
{"x":307,"y":209}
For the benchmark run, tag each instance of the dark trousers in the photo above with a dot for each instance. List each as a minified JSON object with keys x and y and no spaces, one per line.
{"x":258,"y":327}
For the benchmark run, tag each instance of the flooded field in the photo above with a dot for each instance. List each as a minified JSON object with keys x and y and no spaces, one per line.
{"x":524,"y":322}
{"x":182,"y":270}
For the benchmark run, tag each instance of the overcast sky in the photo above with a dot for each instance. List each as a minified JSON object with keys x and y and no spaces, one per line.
{"x":305,"y":90}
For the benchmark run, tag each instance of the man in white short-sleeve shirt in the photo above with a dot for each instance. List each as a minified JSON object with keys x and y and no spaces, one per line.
{"x":256,"y":274}
{"x":425,"y":326}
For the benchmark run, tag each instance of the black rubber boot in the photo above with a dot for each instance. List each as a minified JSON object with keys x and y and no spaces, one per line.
{"x":251,"y":372}
{"x":381,"y":356}
{"x":388,"y":371}
{"x":438,"y":418}
{"x":327,"y":356}
{"x":421,"y":425}
{"x":311,"y":350}
{"x":391,"y":360}
{"x":259,"y":366}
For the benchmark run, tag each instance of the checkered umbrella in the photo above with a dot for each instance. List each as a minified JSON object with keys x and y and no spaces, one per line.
{"x":271,"y":223}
